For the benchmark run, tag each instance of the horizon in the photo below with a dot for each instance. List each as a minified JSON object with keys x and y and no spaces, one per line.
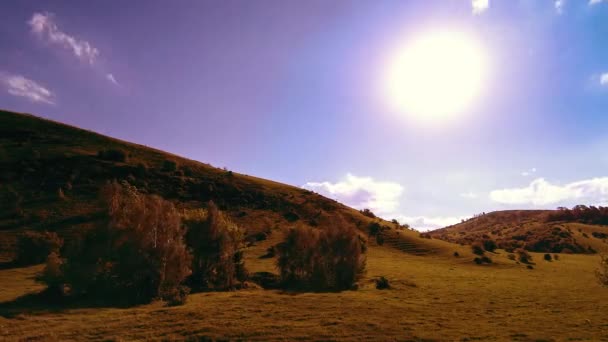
{"x":293,"y":93}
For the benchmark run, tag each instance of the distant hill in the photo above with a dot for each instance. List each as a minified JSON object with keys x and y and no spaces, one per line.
{"x":50,"y":175}
{"x":534,"y":230}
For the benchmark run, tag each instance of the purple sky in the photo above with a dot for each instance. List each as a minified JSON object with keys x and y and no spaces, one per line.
{"x":287,"y":90}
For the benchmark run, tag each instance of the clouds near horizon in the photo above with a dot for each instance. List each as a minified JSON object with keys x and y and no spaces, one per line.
{"x":541,"y":192}
{"x":479,"y":6}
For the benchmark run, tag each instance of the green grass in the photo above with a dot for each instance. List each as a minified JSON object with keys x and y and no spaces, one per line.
{"x":433,"y":298}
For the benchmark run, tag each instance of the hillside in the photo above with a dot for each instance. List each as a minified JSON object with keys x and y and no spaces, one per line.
{"x":529,"y":229}
{"x":50,"y":175}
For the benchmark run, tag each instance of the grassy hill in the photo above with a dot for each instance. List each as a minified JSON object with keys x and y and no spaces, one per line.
{"x":50,"y":175}
{"x":529,"y":229}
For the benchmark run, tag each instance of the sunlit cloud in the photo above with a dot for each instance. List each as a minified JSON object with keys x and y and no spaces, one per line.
{"x":559,"y":6}
{"x":542,"y":192}
{"x":361,"y":192}
{"x":604,"y":79}
{"x":43,"y":25}
{"x":111,"y":78}
{"x":529,"y":172}
{"x":595,"y":2}
{"x":479,"y":6}
{"x":21,"y":86}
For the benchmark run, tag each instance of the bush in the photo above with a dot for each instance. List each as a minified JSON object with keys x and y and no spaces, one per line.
{"x":602,"y":272}
{"x":374,"y":228}
{"x":556,"y":257}
{"x":489,"y":245}
{"x":112,"y":155}
{"x":332,"y":259}
{"x":511,"y":256}
{"x":382,"y":283}
{"x":136,"y":255}
{"x":482,"y":260}
{"x":477,"y":248}
{"x":523,"y":256}
{"x":456,"y":254}
{"x":169,"y":166}
{"x":35,"y":247}
{"x":368,"y":213}
{"x":215,"y":242}
{"x":548,"y":257}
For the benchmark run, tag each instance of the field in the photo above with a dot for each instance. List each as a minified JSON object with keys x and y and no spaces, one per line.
{"x":435,"y":297}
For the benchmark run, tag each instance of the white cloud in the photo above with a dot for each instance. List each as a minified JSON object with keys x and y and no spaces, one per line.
{"x":595,"y":2}
{"x":423,"y":223}
{"x":21,"y":86}
{"x":541,"y":192}
{"x":604,"y":79}
{"x":469,"y":195}
{"x":559,"y":6}
{"x":479,"y":6}
{"x":529,"y":172}
{"x":44,"y":26}
{"x":111,"y":78}
{"x":362,"y":192}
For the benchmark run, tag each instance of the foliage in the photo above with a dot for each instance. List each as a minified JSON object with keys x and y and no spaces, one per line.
{"x":34,"y":247}
{"x":580,"y":213}
{"x":477,"y":248}
{"x":489,"y":245}
{"x":169,"y":166}
{"x":136,"y":255}
{"x":333,"y":258}
{"x":368,"y":213}
{"x":523,"y":256}
{"x":113,"y":154}
{"x":215,"y":242}
{"x":547,"y":257}
{"x":382,"y":283}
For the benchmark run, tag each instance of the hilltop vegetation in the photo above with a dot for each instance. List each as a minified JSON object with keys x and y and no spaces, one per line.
{"x":580,"y":230}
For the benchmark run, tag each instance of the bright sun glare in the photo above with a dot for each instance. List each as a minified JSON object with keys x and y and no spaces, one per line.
{"x":436,"y":76}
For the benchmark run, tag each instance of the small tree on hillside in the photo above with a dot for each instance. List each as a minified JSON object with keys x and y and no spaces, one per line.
{"x":215,"y":242}
{"x":333,"y":258}
{"x":138,"y":253}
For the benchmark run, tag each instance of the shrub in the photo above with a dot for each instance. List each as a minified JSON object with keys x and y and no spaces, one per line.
{"x":374,"y":228}
{"x":136,"y":255}
{"x":169,"y":166}
{"x":330,"y":259}
{"x":530,"y":267}
{"x":489,"y":245}
{"x":602,"y":272}
{"x":482,"y":260}
{"x":511,"y":256}
{"x":112,"y":155}
{"x":382,"y":283}
{"x":523,"y":256}
{"x":368,"y":213}
{"x":380,"y":239}
{"x":477,"y":248}
{"x":215,"y":242}
{"x":51,"y":274}
{"x":556,"y":257}
{"x":35,"y":247}
{"x":548,"y":257}
{"x":456,"y":254}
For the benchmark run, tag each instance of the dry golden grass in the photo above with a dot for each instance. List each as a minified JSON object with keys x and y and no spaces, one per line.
{"x":433,"y":298}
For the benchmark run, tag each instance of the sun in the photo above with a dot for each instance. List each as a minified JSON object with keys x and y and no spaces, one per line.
{"x":436,"y":76}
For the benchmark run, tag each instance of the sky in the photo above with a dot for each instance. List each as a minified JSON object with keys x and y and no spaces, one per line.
{"x":292,"y":91}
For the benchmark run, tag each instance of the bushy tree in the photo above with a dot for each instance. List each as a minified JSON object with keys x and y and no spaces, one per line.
{"x":137,"y":254}
{"x":333,"y":258}
{"x":215,"y":242}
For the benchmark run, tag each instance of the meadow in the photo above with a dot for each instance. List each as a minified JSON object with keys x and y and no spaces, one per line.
{"x":433,"y":298}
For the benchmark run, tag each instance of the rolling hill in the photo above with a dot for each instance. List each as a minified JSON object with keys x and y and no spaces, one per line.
{"x":50,"y":174}
{"x":533,"y":230}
